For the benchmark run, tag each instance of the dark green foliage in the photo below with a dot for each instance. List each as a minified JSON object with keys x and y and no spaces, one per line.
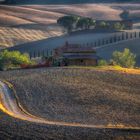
{"x":102,"y":63}
{"x":103,"y":24}
{"x":85,"y":23}
{"x":125,"y":14}
{"x":75,"y":22}
{"x":68,"y":22}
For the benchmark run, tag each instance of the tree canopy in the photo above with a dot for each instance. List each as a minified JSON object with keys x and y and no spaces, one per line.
{"x":119,"y":26}
{"x":68,"y":22}
{"x":85,"y":23}
{"x":125,"y":58}
{"x":12,"y":59}
{"x":73,"y":23}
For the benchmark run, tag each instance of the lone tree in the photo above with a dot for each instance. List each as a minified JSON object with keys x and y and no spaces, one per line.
{"x":13,"y":59}
{"x":124,"y":59}
{"x":69,"y":22}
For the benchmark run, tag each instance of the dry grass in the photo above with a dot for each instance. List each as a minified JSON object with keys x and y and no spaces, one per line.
{"x":97,"y":97}
{"x":26,"y":25}
{"x":38,"y":20}
{"x":36,"y":16}
{"x":11,"y":20}
{"x":14,"y":36}
{"x":113,"y":69}
{"x":97,"y":11}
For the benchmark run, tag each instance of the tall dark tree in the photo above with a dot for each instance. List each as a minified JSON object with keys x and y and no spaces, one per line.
{"x":69,"y":22}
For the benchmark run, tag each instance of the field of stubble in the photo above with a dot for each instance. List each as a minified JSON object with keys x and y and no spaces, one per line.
{"x":75,"y":95}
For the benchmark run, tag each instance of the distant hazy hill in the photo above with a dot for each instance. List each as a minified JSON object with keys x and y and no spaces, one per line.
{"x":63,"y":1}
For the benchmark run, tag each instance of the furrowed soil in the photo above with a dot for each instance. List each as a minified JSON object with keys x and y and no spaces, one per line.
{"x":74,"y":95}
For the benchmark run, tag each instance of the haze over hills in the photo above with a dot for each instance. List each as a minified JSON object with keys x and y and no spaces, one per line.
{"x":29,"y":27}
{"x":63,"y":1}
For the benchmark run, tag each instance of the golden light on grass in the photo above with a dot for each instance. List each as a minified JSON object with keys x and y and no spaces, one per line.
{"x":110,"y":68}
{"x":2,"y":108}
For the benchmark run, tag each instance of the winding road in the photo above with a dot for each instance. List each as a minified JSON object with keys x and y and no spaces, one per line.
{"x":9,"y":104}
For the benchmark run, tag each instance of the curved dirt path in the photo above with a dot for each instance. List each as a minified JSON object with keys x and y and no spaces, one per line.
{"x":10,"y":105}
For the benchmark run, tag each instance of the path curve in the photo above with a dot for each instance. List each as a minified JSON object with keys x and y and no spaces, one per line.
{"x":9,"y":104}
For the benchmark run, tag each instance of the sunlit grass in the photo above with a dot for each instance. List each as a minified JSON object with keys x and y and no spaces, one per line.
{"x":5,"y":110}
{"x":110,"y":68}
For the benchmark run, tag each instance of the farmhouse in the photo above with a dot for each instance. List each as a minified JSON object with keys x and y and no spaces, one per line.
{"x":75,"y":54}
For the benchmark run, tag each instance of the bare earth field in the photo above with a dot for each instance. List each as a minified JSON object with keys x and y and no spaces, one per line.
{"x":75,"y":95}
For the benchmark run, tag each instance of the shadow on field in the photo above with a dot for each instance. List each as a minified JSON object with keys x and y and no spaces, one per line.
{"x":12,"y":129}
{"x":34,"y":26}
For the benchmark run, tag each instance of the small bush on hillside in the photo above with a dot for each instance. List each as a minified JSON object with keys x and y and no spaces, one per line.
{"x":118,"y":26}
{"x":103,"y":24}
{"x":124,"y":59}
{"x":102,"y":63}
{"x":12,"y":59}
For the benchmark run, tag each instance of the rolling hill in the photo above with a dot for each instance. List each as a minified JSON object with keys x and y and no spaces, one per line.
{"x":133,"y":45}
{"x":74,"y":95}
{"x":63,"y":1}
{"x":42,"y":18}
{"x":23,"y":24}
{"x":34,"y":25}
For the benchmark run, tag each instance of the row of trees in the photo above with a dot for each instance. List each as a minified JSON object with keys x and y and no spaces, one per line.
{"x":75,"y":22}
{"x":124,"y":59}
{"x":13,"y":59}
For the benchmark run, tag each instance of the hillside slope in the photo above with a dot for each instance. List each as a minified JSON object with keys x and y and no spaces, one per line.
{"x":133,"y":45}
{"x":23,"y":24}
{"x":64,"y":1}
{"x":97,"y":97}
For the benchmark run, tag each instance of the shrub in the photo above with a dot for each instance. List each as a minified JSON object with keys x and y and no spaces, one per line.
{"x":13,"y":59}
{"x":124,"y":59}
{"x":103,"y":24}
{"x":118,"y":26}
{"x":102,"y":63}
